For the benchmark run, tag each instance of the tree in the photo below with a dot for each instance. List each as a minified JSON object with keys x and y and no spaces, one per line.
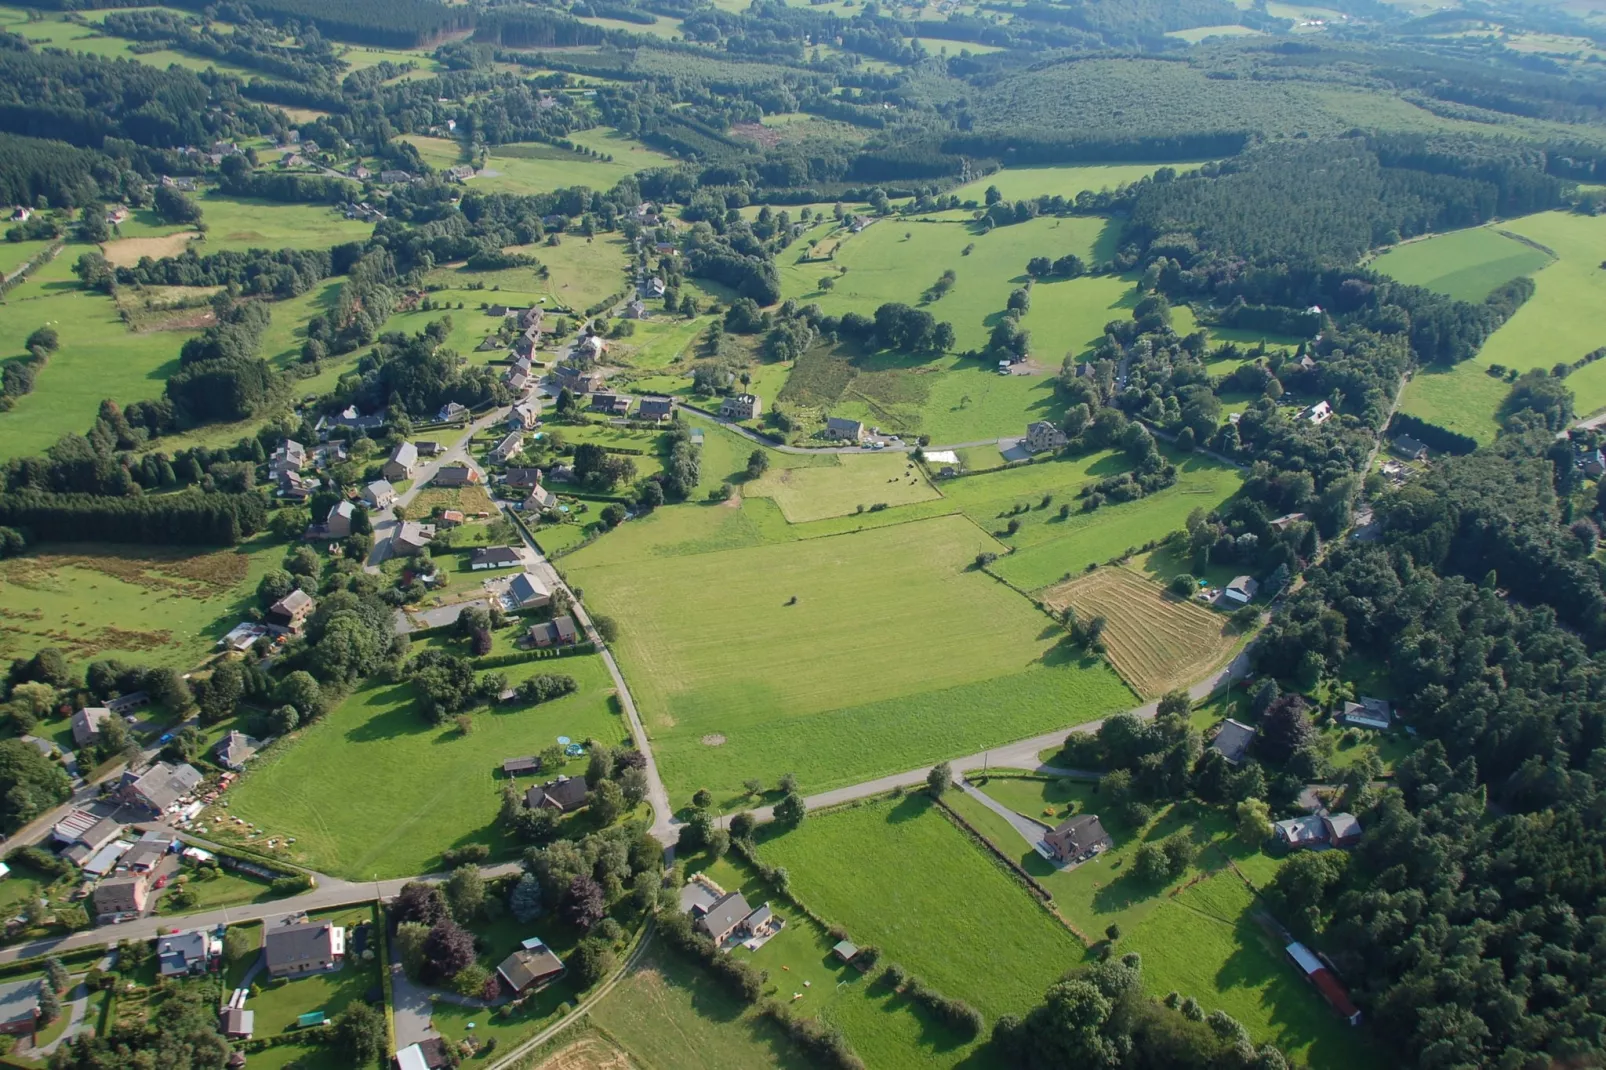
{"x":1149,"y":864}
{"x":525,"y":900}
{"x":1174,"y":704}
{"x":1179,"y":853}
{"x":49,"y":1004}
{"x":223,"y":691}
{"x":607,"y":628}
{"x":447,"y":949}
{"x":359,"y":1031}
{"x":583,"y":904}
{"x":940,"y":778}
{"x":420,"y":902}
{"x":589,"y":962}
{"x":791,"y":810}
{"x":742,"y":825}
{"x":56,"y":975}
{"x":1254,"y":822}
{"x":607,"y":802}
{"x":302,"y":691}
{"x":758,"y":462}
{"x":465,"y":891}
{"x":1285,"y":729}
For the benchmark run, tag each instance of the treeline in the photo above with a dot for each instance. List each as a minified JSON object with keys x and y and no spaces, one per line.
{"x":282,"y":273}
{"x":35,"y":172}
{"x":221,"y":378}
{"x":392,"y":23}
{"x":538,"y":28}
{"x":249,"y":43}
{"x":191,"y":519}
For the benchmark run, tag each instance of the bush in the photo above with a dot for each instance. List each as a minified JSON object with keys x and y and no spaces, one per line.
{"x":294,"y":884}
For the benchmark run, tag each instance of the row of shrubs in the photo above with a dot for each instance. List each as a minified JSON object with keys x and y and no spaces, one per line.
{"x":955,"y":1013}
{"x":738,"y":975}
{"x":822,"y":1044}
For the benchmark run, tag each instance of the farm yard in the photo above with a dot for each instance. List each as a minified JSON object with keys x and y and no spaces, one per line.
{"x":1156,"y":640}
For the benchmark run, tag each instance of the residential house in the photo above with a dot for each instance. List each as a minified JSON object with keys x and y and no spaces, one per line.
{"x":235,"y":749}
{"x":1592,"y":462}
{"x":842,"y":430}
{"x":360,"y":173}
{"x":540,"y":500}
{"x":1306,"y":363}
{"x":452,"y":518}
{"x":656,"y":287}
{"x":451,"y":411}
{"x":291,"y":611}
{"x":458,"y":475}
{"x":655,"y":408}
{"x":237,"y":1023}
{"x":19,"y":1006}
{"x":1343,"y":830}
{"x":1409,"y":448}
{"x":525,"y":345}
{"x":22,"y":214}
{"x":612,"y":404}
{"x":1287,"y":520}
{"x":576,"y":380}
{"x":522,"y":477}
{"x":191,"y":952}
{"x":741,"y":407}
{"x":1241,"y":590}
{"x":635,"y":310}
{"x":131,"y":701}
{"x":430,"y":449}
{"x":86,"y":724}
{"x":338,"y":523}
{"x":1299,"y":832}
{"x":494,"y":557}
{"x":292,"y":159}
{"x":411,"y":538}
{"x":1042,"y":436}
{"x":146,"y":853}
{"x":288,"y":456}
{"x":559,"y":631}
{"x":290,"y":947}
{"x":1319,"y":413}
{"x":1322,"y":979}
{"x":531,"y":317}
{"x":516,"y":380}
{"x":1077,"y":838}
{"x":723,"y":918}
{"x":564,"y":793}
{"x":592,"y":347}
{"x":1232,"y":740}
{"x":525,"y":416}
{"x":1369,"y":713}
{"x":393,"y":176}
{"x":528,"y":765}
{"x":160,"y":787}
{"x":511,"y":444}
{"x":462,"y":172}
{"x":296,"y":487}
{"x":403,"y":459}
{"x":120,"y":897}
{"x":529,"y":968}
{"x":526,"y":591}
{"x":350,"y":419}
{"x":427,"y":1054}
{"x":379,"y":494}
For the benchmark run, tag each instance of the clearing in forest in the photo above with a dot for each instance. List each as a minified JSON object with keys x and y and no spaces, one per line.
{"x":1156,"y":641}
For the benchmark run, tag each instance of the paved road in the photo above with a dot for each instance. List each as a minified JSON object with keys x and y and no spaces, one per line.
{"x":1031,"y":831}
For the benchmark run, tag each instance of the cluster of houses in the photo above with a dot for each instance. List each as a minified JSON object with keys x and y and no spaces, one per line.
{"x":363,"y":211}
{"x":291,"y":467}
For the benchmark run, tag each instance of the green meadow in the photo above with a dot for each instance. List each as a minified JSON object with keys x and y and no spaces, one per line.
{"x":839,"y":658}
{"x":535,"y":167}
{"x":1558,"y":324}
{"x":856,"y":483}
{"x":1022,"y":183}
{"x":56,"y":32}
{"x":1465,"y":264}
{"x":375,"y":789}
{"x":237,"y":223}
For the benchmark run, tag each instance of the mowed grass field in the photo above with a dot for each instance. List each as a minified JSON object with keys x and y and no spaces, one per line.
{"x":375,"y":789}
{"x":838,"y":658}
{"x":1465,"y":264}
{"x":1023,"y":183}
{"x":237,"y":223}
{"x":1156,"y":641}
{"x":857,"y":482}
{"x":1559,"y":323}
{"x":958,"y":921}
{"x":534,"y":167}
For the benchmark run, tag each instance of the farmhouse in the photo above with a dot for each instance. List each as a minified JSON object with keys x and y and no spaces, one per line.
{"x":458,"y":475}
{"x":530,"y":967}
{"x":841,"y":430}
{"x":1318,"y":413}
{"x":290,"y":947}
{"x":86,"y":724}
{"x":528,"y":592}
{"x":379,"y":494}
{"x":494,"y":557}
{"x":564,"y":793}
{"x":411,"y":538}
{"x":1369,"y":713}
{"x":19,"y":1006}
{"x":160,"y":787}
{"x":525,"y":416}
{"x":1320,"y":977}
{"x":511,"y":444}
{"x":191,"y":952}
{"x":655,"y":408}
{"x":1241,"y":590}
{"x":741,"y":407}
{"x":401,"y":462}
{"x":338,"y":524}
{"x":559,"y":631}
{"x":1409,"y":448}
{"x":145,"y":854}
{"x":1042,"y":436}
{"x":1233,"y":740}
{"x":1304,"y":831}
{"x":529,"y":765}
{"x":1077,"y":838}
{"x":120,"y":897}
{"x":540,"y":500}
{"x":235,"y":749}
{"x":291,"y":611}
{"x":612,"y":404}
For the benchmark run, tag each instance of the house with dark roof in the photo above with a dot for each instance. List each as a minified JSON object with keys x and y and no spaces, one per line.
{"x":236,"y":1023}
{"x":19,"y":1006}
{"x":149,"y":850}
{"x":1042,"y":436}
{"x":457,"y":475}
{"x":120,"y":897}
{"x":1409,"y":448}
{"x":612,"y":404}
{"x":86,"y":724}
{"x":565,"y":794}
{"x":528,"y":765}
{"x":428,"y":1054}
{"x":512,"y":443}
{"x":1369,"y":713}
{"x":655,"y":408}
{"x":291,"y":611}
{"x":291,"y":948}
{"x":401,"y":462}
{"x":530,"y":967}
{"x":522,"y":477}
{"x":160,"y":787}
{"x":1077,"y":838}
{"x":494,"y":557}
{"x":1232,"y":740}
{"x":235,"y":749}
{"x":559,"y":631}
{"x":720,"y":920}
{"x":191,"y":952}
{"x":741,"y":407}
{"x":842,"y":430}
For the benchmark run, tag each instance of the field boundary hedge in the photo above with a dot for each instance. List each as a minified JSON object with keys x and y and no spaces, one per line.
{"x":1432,"y":435}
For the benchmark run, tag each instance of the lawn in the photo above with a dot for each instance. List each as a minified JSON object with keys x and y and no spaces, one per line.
{"x":281,"y":1002}
{"x":374,"y":789}
{"x":1156,"y":641}
{"x":964,"y":927}
{"x":1555,"y":325}
{"x":582,"y":271}
{"x":151,"y":605}
{"x":237,"y":223}
{"x":1464,"y":264}
{"x":838,"y":658}
{"x":856,"y":483}
{"x":226,"y":890}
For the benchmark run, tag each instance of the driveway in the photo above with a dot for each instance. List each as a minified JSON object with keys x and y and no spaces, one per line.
{"x":413,"y":1009}
{"x":441,"y":616}
{"x":1030,"y":831}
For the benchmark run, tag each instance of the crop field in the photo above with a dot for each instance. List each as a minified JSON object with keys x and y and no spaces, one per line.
{"x":1156,"y":641}
{"x":126,"y":252}
{"x":151,"y":605}
{"x":1465,"y":264}
{"x":858,"y":482}
{"x":374,"y":789}
{"x":1557,"y":324}
{"x":963,"y":926}
{"x":1020,"y":183}
{"x":238,"y":223}
{"x":1196,"y":938}
{"x":838,"y":658}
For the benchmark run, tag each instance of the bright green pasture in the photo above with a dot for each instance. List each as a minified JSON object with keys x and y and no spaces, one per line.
{"x":856,"y":482}
{"x":163,"y":606}
{"x":13,"y":254}
{"x":581,"y":272}
{"x":374,"y":789}
{"x":535,"y":167}
{"x":1023,"y":183}
{"x":622,"y":147}
{"x":956,"y":921}
{"x":56,"y":32}
{"x":1050,"y":547}
{"x":1465,"y":264}
{"x":238,"y":223}
{"x":838,"y":658}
